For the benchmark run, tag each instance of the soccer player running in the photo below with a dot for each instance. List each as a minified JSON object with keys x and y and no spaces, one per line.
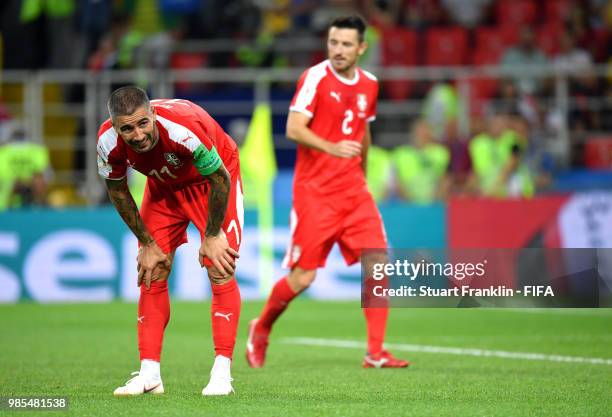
{"x":193,"y":175}
{"x":329,"y":119}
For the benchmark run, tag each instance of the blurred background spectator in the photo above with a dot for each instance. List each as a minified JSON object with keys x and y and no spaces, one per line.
{"x":379,"y":173}
{"x":422,"y":166}
{"x":525,"y":54}
{"x":24,"y":170}
{"x":498,"y":161}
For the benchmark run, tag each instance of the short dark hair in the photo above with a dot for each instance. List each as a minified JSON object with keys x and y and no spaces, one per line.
{"x":350,"y":22}
{"x":125,"y":100}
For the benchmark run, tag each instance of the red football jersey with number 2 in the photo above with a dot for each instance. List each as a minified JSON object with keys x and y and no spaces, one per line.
{"x":339,"y":110}
{"x":184,"y":130}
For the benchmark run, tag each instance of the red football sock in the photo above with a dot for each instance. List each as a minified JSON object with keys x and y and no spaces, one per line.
{"x":376,"y":321}
{"x":277,"y":302}
{"x":153,"y":316}
{"x":376,"y":311}
{"x":225,"y":313}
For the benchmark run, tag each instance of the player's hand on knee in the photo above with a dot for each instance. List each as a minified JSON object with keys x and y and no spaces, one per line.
{"x":217,"y":277}
{"x":217,"y":249}
{"x":160,"y":273}
{"x":346,"y":149}
{"x":149,"y":258}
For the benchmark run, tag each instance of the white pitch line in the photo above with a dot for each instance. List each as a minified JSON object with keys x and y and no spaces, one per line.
{"x":352,"y":344}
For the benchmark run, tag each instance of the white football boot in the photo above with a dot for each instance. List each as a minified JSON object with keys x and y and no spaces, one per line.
{"x":139,"y":385}
{"x":220,"y":378}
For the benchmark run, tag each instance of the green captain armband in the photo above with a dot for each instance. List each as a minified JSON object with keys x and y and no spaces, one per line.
{"x":206,"y":161}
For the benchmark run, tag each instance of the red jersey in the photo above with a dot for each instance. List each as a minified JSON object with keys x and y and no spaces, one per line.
{"x":339,"y":110}
{"x":191,"y":144}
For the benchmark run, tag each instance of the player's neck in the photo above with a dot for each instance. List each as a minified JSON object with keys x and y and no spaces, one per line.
{"x":350,"y":74}
{"x":347,"y":76}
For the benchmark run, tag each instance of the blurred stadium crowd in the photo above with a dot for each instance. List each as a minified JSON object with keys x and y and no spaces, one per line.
{"x":497,"y":135}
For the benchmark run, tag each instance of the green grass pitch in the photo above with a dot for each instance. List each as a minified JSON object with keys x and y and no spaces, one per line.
{"x":85,"y":351}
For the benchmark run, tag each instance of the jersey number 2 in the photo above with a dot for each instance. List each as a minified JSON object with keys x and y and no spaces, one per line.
{"x":348,"y":118}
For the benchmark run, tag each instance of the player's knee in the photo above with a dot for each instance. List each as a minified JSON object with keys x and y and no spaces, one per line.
{"x":164,"y":274}
{"x":221,"y":280}
{"x":216,"y":277}
{"x":160,"y":273}
{"x":301,"y":279}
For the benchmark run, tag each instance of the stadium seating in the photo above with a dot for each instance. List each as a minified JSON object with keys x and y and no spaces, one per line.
{"x":399,"y":48}
{"x":548,"y":36}
{"x":601,"y":44}
{"x":598,"y":152}
{"x":490,"y":43}
{"x":446,"y":46}
{"x":187,"y":60}
{"x":489,"y":47}
{"x":557,"y":11}
{"x":510,"y":34}
{"x":515,"y":13}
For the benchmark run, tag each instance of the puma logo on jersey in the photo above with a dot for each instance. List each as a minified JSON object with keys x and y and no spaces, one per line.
{"x":335,"y":95}
{"x":141,"y":319}
{"x":225,"y":316}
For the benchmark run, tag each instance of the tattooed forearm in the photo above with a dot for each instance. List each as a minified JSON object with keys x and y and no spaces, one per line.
{"x":123,"y":201}
{"x":217,"y":200}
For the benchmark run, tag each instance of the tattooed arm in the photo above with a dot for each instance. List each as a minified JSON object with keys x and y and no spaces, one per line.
{"x":150,"y":255}
{"x":122,"y":199}
{"x":217,"y":200}
{"x":215,"y":245}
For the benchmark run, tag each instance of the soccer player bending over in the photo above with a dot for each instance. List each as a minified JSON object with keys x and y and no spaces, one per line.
{"x":193,"y":176}
{"x":329,"y":119}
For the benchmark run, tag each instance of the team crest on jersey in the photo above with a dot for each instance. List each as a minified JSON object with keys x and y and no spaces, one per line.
{"x":362,"y":102}
{"x":172,"y":159}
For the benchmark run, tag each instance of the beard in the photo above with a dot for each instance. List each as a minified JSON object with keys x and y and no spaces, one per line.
{"x":342,"y":65}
